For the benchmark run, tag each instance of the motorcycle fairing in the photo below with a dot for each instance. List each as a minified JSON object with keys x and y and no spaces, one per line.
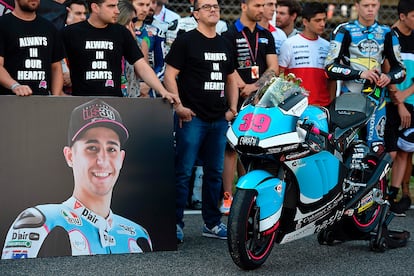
{"x":317,"y":116}
{"x":309,"y":223}
{"x":259,"y":123}
{"x":322,"y":168}
{"x":270,"y":195}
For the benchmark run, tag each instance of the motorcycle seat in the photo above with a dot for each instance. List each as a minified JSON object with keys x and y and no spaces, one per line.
{"x":349,"y":110}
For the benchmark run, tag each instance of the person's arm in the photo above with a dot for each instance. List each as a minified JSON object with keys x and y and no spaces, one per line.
{"x":7,"y":81}
{"x":336,"y":67}
{"x":170,"y":80}
{"x":392,"y":54}
{"x":57,"y":78}
{"x":272,"y":70}
{"x":250,"y":88}
{"x":144,"y":90}
{"x":232,"y":93}
{"x":145,"y":72}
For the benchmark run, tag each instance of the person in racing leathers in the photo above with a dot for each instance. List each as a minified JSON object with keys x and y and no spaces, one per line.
{"x":84,"y":224}
{"x":357,"y":52}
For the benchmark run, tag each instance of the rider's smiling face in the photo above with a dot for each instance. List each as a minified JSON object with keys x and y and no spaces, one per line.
{"x":96,"y":159}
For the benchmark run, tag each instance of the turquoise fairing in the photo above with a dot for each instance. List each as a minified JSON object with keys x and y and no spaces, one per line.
{"x":316,"y":174}
{"x":270,"y":191}
{"x":316,"y":116}
{"x":279,"y":123}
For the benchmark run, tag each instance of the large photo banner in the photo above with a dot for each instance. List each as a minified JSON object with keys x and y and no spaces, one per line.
{"x":85,"y":176}
{"x":6,"y":6}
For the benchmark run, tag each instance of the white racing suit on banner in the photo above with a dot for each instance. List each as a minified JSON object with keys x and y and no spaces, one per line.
{"x":355,"y":48}
{"x":72,"y":229}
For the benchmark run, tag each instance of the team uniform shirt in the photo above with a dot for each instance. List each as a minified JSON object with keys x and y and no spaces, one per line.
{"x":250,"y":49}
{"x":159,"y":31}
{"x":407,"y":54}
{"x":306,"y":58}
{"x":393,"y":122}
{"x":86,"y":232}
{"x":95,"y":56}
{"x":204,"y":64}
{"x":279,"y":37}
{"x":166,"y":15}
{"x":171,"y":18}
{"x":29,"y":48}
{"x":189,"y":23}
{"x":294,"y":32}
{"x":355,"y":48}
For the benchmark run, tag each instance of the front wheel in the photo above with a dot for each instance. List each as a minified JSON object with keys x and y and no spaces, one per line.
{"x":249,"y":248}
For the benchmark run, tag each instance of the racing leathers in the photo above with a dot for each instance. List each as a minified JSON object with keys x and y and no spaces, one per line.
{"x":72,"y":229}
{"x":355,"y":48}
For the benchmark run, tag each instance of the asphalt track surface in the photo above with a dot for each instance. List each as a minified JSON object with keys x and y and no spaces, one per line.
{"x":205,"y":256}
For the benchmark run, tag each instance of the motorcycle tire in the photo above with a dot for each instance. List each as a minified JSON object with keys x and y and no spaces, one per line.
{"x":248,"y":247}
{"x":367,"y":220}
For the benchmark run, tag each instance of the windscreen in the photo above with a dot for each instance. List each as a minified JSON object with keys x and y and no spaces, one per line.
{"x":276,"y":91}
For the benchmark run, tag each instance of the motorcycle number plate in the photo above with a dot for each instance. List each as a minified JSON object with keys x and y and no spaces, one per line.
{"x":248,"y":141}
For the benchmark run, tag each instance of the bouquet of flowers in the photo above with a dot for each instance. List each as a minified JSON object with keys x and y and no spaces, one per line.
{"x":278,"y":89}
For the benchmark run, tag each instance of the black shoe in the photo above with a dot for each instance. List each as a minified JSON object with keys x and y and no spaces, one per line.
{"x":397,"y":208}
{"x":196,"y":205}
{"x":405,"y":202}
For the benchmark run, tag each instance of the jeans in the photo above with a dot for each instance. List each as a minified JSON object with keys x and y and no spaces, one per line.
{"x":207,"y":141}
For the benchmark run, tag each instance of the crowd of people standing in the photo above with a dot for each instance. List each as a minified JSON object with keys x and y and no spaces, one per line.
{"x":206,"y":67}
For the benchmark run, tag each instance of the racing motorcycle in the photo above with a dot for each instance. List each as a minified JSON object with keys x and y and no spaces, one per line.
{"x":308,"y":171}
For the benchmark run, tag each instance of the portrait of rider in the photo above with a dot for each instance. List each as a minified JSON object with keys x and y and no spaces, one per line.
{"x":84,"y":224}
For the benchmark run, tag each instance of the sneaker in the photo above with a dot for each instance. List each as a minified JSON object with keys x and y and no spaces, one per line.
{"x":180,"y":234}
{"x":196,"y":205}
{"x":402,"y":215}
{"x":225,"y":206}
{"x":219,"y":231}
{"x":405,"y":202}
{"x":397,"y":208}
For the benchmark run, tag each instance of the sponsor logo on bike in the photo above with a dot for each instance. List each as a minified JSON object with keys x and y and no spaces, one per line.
{"x":248,"y":141}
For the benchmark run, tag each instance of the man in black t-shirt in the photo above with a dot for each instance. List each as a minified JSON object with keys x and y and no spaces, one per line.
{"x":200,"y":69}
{"x":30,"y":53}
{"x":256,"y":62}
{"x":95,"y":48}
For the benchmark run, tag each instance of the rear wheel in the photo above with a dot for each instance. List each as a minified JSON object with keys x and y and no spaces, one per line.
{"x":366,"y":217}
{"x":249,"y":248}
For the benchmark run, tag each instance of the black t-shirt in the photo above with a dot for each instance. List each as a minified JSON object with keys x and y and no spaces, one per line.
{"x":204,"y":65}
{"x":29,"y":48}
{"x":95,"y":57}
{"x":245,"y":50}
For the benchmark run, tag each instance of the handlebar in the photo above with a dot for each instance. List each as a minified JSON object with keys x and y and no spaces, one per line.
{"x":313,"y":129}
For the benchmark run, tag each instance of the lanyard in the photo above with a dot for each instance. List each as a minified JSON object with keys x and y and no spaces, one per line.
{"x":254,"y":57}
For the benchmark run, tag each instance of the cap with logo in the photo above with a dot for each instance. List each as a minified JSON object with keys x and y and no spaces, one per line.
{"x":95,"y":113}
